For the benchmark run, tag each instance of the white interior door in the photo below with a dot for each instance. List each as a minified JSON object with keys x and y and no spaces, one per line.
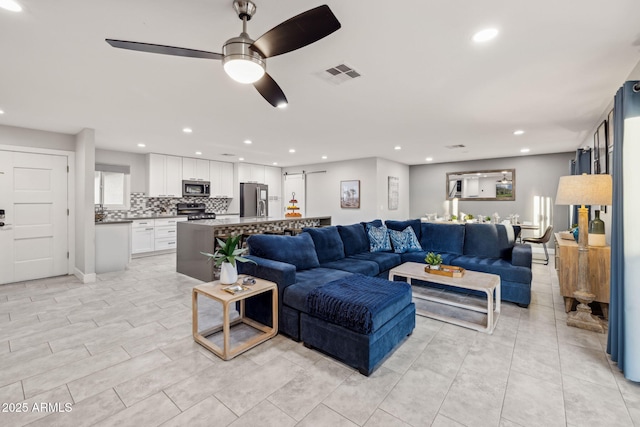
{"x":34,"y":193}
{"x":294,"y":184}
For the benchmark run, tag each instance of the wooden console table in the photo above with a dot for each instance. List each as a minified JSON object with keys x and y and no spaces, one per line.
{"x":598,"y":274}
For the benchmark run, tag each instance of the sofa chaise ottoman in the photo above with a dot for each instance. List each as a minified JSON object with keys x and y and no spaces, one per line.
{"x":358,"y":319}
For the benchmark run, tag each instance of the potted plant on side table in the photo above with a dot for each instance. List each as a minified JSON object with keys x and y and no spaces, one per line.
{"x":434,"y":260}
{"x":225,"y":258}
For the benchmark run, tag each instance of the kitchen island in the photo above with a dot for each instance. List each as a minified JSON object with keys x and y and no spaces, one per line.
{"x":199,"y":236}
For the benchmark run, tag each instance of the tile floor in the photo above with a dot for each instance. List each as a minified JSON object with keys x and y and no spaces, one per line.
{"x":119,"y":352}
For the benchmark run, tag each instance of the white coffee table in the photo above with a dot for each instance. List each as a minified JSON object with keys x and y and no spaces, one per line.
{"x":472,"y":280}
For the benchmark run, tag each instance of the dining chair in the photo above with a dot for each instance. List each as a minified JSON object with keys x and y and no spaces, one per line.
{"x":543,"y":240}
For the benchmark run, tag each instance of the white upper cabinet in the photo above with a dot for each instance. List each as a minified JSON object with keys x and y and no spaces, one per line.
{"x":164,"y":176}
{"x":195,"y":169}
{"x":273,"y":178}
{"x":251,"y":173}
{"x":221,"y":174}
{"x":174,"y":176}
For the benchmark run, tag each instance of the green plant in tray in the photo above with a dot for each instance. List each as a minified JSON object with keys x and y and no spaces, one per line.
{"x":433,"y":259}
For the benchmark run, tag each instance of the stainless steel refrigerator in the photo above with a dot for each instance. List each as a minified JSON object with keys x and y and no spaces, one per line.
{"x":254,"y":199}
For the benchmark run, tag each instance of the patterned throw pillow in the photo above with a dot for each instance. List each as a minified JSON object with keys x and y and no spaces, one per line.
{"x":378,"y":238}
{"x":404,"y":241}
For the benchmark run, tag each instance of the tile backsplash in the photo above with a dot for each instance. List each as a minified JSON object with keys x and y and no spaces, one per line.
{"x":143,"y":205}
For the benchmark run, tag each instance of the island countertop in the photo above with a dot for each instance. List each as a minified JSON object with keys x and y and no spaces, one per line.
{"x":195,"y":237}
{"x":252,"y":220}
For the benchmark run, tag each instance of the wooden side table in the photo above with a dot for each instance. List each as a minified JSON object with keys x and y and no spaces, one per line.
{"x":215,"y":291}
{"x":598,"y":274}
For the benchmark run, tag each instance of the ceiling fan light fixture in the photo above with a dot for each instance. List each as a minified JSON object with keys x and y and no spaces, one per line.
{"x":240,"y":62}
{"x":243,"y":70}
{"x":10,"y":5}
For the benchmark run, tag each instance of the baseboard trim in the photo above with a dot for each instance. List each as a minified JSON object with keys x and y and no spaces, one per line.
{"x":84,"y":278}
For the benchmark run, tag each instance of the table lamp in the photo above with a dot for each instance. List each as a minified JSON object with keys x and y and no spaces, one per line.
{"x":584,"y":190}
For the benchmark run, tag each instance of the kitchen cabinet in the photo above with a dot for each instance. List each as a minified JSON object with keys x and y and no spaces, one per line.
{"x":149,"y":235}
{"x":221,"y":174}
{"x":273,"y":178}
{"x":164,"y":175}
{"x":248,"y":172}
{"x":142,"y":236}
{"x":195,"y":169}
{"x":165,"y":233}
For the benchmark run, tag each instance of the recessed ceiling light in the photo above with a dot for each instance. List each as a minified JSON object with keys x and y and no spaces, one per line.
{"x":241,"y":159}
{"x":187,"y":130}
{"x":485,"y":35}
{"x":292,"y":150}
{"x":247,"y":141}
{"x":397,"y":147}
{"x":525,"y":150}
{"x":10,"y":5}
{"x":324,"y":157}
{"x":518,"y":132}
{"x":198,"y":153}
{"x":429,"y":159}
{"x":142,"y":145}
{"x":275,"y":163}
{"x":282,"y":105}
{"x":1,"y":112}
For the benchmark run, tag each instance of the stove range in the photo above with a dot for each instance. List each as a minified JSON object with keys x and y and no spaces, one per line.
{"x":194,"y":211}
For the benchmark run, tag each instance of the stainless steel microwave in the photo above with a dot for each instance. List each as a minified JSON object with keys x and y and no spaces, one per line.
{"x":196,"y":189}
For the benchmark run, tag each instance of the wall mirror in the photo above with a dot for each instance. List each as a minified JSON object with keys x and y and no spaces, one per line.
{"x":482,"y":185}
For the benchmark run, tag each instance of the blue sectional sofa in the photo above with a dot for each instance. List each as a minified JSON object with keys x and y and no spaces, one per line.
{"x":298,"y":264}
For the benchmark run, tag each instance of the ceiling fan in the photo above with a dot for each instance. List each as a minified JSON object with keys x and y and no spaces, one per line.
{"x":504,"y":179}
{"x":243,"y":58}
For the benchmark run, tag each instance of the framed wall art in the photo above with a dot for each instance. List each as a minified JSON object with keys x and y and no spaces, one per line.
{"x":350,"y":194}
{"x":610,"y":142}
{"x":602,"y":147}
{"x":394,"y":192}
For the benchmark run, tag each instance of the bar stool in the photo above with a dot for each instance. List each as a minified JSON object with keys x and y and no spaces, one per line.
{"x":292,"y":231}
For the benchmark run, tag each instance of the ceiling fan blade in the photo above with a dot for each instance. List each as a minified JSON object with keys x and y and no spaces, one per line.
{"x":270,"y":91}
{"x":297,"y":32}
{"x":165,"y":50}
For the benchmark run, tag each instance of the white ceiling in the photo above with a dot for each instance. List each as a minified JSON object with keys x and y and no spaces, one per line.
{"x":552,"y":71}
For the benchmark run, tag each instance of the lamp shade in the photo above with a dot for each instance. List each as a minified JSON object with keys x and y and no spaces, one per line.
{"x":584,"y":190}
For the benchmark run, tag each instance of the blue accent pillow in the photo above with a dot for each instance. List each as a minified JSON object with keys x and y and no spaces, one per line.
{"x":378,"y":238}
{"x":297,"y":250}
{"x":404,"y":241}
{"x":328,"y":243}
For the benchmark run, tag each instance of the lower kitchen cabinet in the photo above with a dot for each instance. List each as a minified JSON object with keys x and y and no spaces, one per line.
{"x":142,"y":236}
{"x":150,"y":235}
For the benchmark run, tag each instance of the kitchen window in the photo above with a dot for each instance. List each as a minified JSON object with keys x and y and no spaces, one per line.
{"x":112,"y":187}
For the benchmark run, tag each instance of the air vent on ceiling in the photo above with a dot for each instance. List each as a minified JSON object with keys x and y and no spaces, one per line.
{"x":228,"y":154}
{"x":339,"y":74}
{"x":453,"y":147}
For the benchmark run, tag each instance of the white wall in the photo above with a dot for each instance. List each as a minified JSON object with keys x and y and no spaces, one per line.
{"x":323,"y":189}
{"x":384,"y":169}
{"x":535,"y":176}
{"x":11,"y":135}
{"x":134,"y":160}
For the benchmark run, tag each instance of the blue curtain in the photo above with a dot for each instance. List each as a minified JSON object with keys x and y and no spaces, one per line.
{"x":623,"y":341}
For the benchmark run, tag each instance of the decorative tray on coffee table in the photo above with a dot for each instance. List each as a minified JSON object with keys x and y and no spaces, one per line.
{"x":446,"y":270}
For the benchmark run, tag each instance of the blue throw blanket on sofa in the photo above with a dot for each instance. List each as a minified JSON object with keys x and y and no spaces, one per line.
{"x":354,"y":301}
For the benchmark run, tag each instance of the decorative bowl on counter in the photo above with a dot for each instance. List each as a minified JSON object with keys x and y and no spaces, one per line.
{"x":100,"y":217}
